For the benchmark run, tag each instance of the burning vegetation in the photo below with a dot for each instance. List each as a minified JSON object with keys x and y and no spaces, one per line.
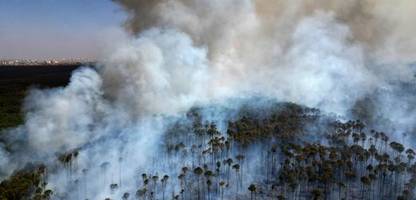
{"x":188,"y":103}
{"x":258,"y":154}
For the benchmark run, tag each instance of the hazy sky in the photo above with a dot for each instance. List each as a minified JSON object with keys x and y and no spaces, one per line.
{"x":55,"y":28}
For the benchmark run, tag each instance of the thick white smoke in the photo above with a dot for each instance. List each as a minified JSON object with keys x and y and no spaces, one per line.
{"x":60,"y":119}
{"x":197,"y":53}
{"x":159,"y":72}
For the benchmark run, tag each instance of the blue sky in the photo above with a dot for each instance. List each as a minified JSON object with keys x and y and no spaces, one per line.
{"x":41,"y":29}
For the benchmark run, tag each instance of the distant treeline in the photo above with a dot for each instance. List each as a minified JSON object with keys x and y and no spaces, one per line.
{"x":15,"y":82}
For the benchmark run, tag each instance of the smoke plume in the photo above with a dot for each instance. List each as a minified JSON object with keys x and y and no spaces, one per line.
{"x":178,"y":54}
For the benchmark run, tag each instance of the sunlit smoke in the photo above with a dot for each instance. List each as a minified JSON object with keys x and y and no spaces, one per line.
{"x":185,"y":53}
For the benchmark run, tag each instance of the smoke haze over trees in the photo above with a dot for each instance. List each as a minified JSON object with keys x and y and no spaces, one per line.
{"x":188,"y":103}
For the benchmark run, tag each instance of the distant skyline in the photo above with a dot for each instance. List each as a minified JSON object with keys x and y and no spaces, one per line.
{"x":55,"y":29}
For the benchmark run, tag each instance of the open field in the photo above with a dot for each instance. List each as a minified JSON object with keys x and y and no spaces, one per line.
{"x":15,"y":82}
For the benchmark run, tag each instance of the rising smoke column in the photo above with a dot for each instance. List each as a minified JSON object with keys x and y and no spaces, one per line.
{"x":380,"y":26}
{"x":184,"y":53}
{"x":251,"y":37}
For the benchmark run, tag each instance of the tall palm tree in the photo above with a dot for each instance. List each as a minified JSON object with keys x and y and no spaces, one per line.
{"x":198,"y":172}
{"x":104,"y":168}
{"x":252,"y":188}
{"x":155,"y":179}
{"x":218,"y":169}
{"x":236,"y":167}
{"x":120,"y":161}
{"x":228,"y":162}
{"x":240,"y":159}
{"x":164,"y":183}
{"x":222,"y":187}
{"x":209,"y":183}
{"x":410,"y":155}
{"x":181,"y":177}
{"x":366,"y":182}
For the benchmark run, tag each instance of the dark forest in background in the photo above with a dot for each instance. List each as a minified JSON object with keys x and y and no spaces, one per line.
{"x":15,"y":82}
